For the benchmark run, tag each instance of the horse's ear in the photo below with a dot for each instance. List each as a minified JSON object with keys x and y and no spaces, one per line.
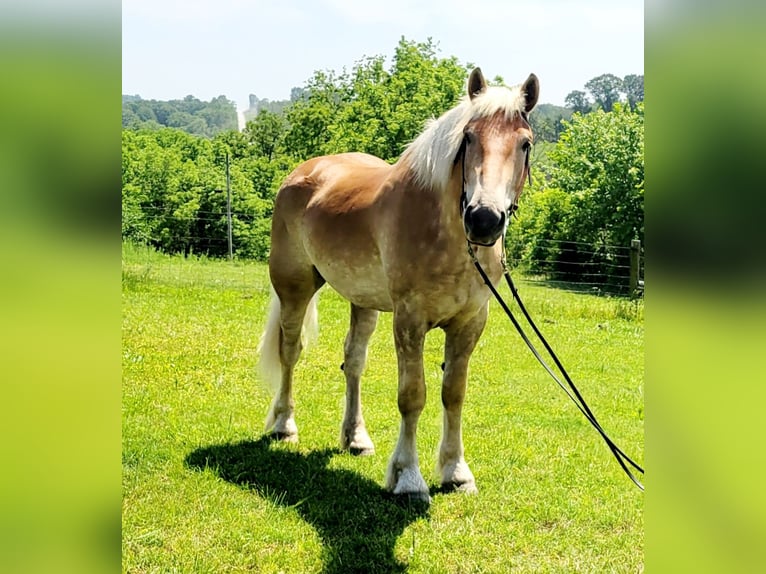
{"x":476,"y":83}
{"x":531,"y":89}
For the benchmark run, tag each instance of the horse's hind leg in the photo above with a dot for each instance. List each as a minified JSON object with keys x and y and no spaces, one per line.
{"x":459,"y":344}
{"x":295,"y":297}
{"x":353,"y":434}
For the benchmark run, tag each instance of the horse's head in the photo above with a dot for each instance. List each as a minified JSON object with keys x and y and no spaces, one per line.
{"x":495,"y":155}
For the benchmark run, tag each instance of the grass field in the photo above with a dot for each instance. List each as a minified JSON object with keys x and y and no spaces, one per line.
{"x":203,"y":492}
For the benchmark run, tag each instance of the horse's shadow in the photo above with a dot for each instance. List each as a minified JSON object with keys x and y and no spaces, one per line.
{"x":356,"y":519}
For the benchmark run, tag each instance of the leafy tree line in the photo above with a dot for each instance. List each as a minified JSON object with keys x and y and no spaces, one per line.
{"x":190,"y":114}
{"x":587,"y":187}
{"x":603,"y":92}
{"x":606,"y":90}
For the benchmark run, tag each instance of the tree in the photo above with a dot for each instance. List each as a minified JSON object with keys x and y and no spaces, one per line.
{"x":372,"y":109}
{"x":578,"y":102}
{"x":173,"y":195}
{"x":388,"y":108}
{"x":600,"y":161}
{"x":605,"y":90}
{"x":633,"y":87}
{"x":265,"y":133}
{"x":311,"y":117}
{"x":589,"y":188}
{"x":422,"y":86}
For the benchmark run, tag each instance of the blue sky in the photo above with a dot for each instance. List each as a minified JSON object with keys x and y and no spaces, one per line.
{"x":207,"y":48}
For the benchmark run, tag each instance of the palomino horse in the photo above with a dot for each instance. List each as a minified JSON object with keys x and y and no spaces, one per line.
{"x":393,"y":238}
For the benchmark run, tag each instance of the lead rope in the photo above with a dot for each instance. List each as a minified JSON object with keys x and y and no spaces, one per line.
{"x":623,"y":459}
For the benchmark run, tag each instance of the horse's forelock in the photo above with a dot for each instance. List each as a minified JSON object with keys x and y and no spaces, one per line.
{"x":431,"y":155}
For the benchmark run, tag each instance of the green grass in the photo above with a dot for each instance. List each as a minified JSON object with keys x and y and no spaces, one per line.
{"x":203,"y":492}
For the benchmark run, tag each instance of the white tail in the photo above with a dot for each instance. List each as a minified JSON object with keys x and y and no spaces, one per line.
{"x":269,"y":365}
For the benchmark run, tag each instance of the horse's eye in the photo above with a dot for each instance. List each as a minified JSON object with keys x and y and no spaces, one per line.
{"x":468,"y":138}
{"x":526,"y":146}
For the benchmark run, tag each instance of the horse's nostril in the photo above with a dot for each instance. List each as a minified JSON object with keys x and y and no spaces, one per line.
{"x":484,"y":221}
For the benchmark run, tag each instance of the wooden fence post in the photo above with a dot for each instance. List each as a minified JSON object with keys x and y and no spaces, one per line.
{"x":635,"y":256}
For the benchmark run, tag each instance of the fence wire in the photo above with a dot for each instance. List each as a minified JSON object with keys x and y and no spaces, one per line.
{"x":574,"y":265}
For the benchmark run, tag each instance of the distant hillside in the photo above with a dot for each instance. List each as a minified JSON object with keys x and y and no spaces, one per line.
{"x":546,"y":121}
{"x":220,"y":114}
{"x":190,"y":114}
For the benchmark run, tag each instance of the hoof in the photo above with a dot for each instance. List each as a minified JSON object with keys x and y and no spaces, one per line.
{"x":284,"y":437}
{"x":408,"y":485}
{"x":361,"y":450}
{"x":356,"y":441}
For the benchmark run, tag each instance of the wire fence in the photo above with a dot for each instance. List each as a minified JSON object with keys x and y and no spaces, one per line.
{"x":581,"y":266}
{"x":573,"y":265}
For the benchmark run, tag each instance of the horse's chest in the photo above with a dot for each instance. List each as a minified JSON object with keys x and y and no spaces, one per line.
{"x":439,"y":295}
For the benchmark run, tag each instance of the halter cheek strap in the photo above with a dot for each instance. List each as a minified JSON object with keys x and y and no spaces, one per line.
{"x":526,"y":165}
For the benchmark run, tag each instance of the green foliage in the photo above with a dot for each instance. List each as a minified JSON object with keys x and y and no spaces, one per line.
{"x":265,"y":133}
{"x":372,"y":109}
{"x":174,"y":183}
{"x":311,"y":117}
{"x":600,"y":162}
{"x":605,"y":90}
{"x":633,"y":87}
{"x":546,"y":122}
{"x":174,"y":196}
{"x":578,"y":101}
{"x":534,"y":238}
{"x":190,"y":114}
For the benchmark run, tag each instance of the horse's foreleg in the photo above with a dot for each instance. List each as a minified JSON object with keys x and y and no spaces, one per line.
{"x":353,"y":434}
{"x":403,"y":475}
{"x":459,"y":344}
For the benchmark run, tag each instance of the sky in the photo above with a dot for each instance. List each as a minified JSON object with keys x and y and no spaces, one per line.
{"x":208,"y":48}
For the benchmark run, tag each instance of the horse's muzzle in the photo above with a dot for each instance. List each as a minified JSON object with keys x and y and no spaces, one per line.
{"x":483,"y":225}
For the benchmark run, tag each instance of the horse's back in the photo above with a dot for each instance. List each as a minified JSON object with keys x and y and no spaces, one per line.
{"x":325,"y":216}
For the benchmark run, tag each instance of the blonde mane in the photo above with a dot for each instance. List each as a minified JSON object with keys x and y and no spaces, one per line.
{"x":431,"y":155}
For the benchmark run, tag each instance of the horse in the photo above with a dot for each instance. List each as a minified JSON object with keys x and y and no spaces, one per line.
{"x":396,"y":238}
